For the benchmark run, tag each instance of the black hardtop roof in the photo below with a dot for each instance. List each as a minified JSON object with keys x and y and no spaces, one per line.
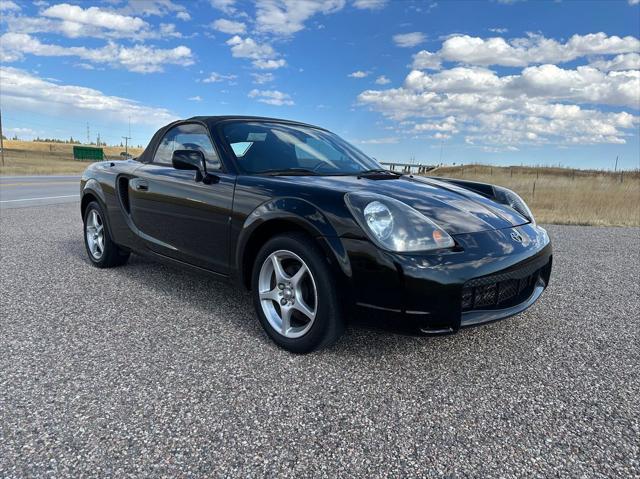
{"x":211,"y":122}
{"x":215,"y":119}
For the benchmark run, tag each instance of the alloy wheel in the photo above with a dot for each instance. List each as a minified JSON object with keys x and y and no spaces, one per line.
{"x":288,"y":293}
{"x":94,"y":231}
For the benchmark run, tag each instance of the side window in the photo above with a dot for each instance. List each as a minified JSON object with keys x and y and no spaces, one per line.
{"x":165,"y":148}
{"x":195,"y":137}
{"x":189,"y":136}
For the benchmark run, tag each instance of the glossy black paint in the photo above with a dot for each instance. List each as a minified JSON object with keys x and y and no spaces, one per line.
{"x":172,"y":214}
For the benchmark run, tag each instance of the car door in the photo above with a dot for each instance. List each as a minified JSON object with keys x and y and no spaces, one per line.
{"x":178,"y":216}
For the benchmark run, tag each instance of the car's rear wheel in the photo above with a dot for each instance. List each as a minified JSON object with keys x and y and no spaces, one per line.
{"x":294,"y":295}
{"x":102,"y":251}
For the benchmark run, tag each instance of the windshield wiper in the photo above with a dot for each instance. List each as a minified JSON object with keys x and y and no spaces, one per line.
{"x":290,"y":172}
{"x":377,"y":172}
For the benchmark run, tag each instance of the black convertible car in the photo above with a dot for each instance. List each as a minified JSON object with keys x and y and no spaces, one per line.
{"x":316,"y":229}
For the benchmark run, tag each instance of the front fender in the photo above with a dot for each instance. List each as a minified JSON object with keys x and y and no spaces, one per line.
{"x":297,"y":212}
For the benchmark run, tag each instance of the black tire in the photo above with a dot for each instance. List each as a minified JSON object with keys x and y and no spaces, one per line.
{"x":328,"y":324}
{"x":111,"y":255}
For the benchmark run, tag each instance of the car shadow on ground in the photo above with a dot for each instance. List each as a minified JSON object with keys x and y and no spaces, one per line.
{"x":364,"y":333}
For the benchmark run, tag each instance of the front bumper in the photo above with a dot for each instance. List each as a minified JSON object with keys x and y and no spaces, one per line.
{"x":488,"y":276}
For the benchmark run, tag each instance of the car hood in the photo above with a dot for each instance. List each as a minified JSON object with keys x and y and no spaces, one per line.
{"x":456,"y":209}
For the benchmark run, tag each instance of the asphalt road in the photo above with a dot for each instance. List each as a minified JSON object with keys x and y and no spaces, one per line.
{"x":149,"y":371}
{"x":21,"y":191}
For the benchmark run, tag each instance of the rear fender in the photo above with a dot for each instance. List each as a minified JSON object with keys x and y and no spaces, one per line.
{"x":92,"y":188}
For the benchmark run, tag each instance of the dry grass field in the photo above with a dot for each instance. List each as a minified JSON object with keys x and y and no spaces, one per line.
{"x":555,"y":195}
{"x":564,"y":196}
{"x":40,"y":158}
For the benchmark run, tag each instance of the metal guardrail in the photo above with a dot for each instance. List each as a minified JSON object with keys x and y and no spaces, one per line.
{"x":409,"y":167}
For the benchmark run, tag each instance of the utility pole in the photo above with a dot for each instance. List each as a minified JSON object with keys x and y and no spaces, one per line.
{"x":615,"y":168}
{"x":126,"y":145}
{"x":1,"y":140}
{"x":88,"y":135}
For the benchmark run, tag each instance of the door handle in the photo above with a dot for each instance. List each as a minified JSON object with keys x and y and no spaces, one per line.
{"x":140,"y":185}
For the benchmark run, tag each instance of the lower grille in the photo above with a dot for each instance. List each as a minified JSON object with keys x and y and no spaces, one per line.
{"x":501,"y":290}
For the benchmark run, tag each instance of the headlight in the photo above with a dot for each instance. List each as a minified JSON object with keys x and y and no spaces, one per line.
{"x":394,"y":225}
{"x":509,"y":198}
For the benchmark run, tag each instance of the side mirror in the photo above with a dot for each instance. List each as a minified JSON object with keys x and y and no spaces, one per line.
{"x":192,"y":160}
{"x":188,"y":160}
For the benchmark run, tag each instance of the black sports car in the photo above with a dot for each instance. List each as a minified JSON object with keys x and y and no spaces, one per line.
{"x":316,"y":229}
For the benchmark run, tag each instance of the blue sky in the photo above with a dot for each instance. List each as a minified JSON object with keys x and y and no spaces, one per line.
{"x":501,"y":82}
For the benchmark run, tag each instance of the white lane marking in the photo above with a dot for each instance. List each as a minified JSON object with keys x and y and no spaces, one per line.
{"x":42,"y":198}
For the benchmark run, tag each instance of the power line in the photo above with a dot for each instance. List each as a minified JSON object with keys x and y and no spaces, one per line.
{"x":126,"y":145}
{"x":102,"y":126}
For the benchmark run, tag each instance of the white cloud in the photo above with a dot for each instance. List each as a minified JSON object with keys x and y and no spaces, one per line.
{"x":382,"y":80}
{"x":139,"y":58}
{"x":225,"y":6}
{"x":626,"y":61}
{"x":541,"y":104}
{"x":269,"y":64}
{"x":358,"y":74}
{"x":262,"y":78}
{"x":74,"y":21}
{"x":249,"y":48}
{"x":217,"y":77}
{"x":408,"y":40}
{"x":76,"y":17}
{"x":271,"y":97}
{"x":195,"y":98}
{"x":370,"y":4}
{"x":286,"y":17}
{"x":424,"y":60}
{"x":229,"y":26}
{"x":263,"y":55}
{"x":534,"y":49}
{"x":499,"y":30}
{"x":85,"y":66}
{"x":634,"y":2}
{"x":23,"y":91}
{"x":184,"y":16}
{"x":585,"y":84}
{"x":389,"y":140}
{"x":8,"y":6}
{"x":447,"y":125}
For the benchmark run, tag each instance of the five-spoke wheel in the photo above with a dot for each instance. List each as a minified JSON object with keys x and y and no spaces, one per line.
{"x":102,"y":251}
{"x":288,"y":293}
{"x":295,"y":293}
{"x":94,"y":232}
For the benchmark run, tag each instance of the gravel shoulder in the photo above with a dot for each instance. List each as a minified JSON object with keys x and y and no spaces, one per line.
{"x":146,"y":370}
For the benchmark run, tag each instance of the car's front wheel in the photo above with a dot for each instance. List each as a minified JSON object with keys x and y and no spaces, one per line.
{"x":294,"y":294}
{"x":102,"y":251}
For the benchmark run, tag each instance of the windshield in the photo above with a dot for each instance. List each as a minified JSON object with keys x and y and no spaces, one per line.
{"x":264,"y":147}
